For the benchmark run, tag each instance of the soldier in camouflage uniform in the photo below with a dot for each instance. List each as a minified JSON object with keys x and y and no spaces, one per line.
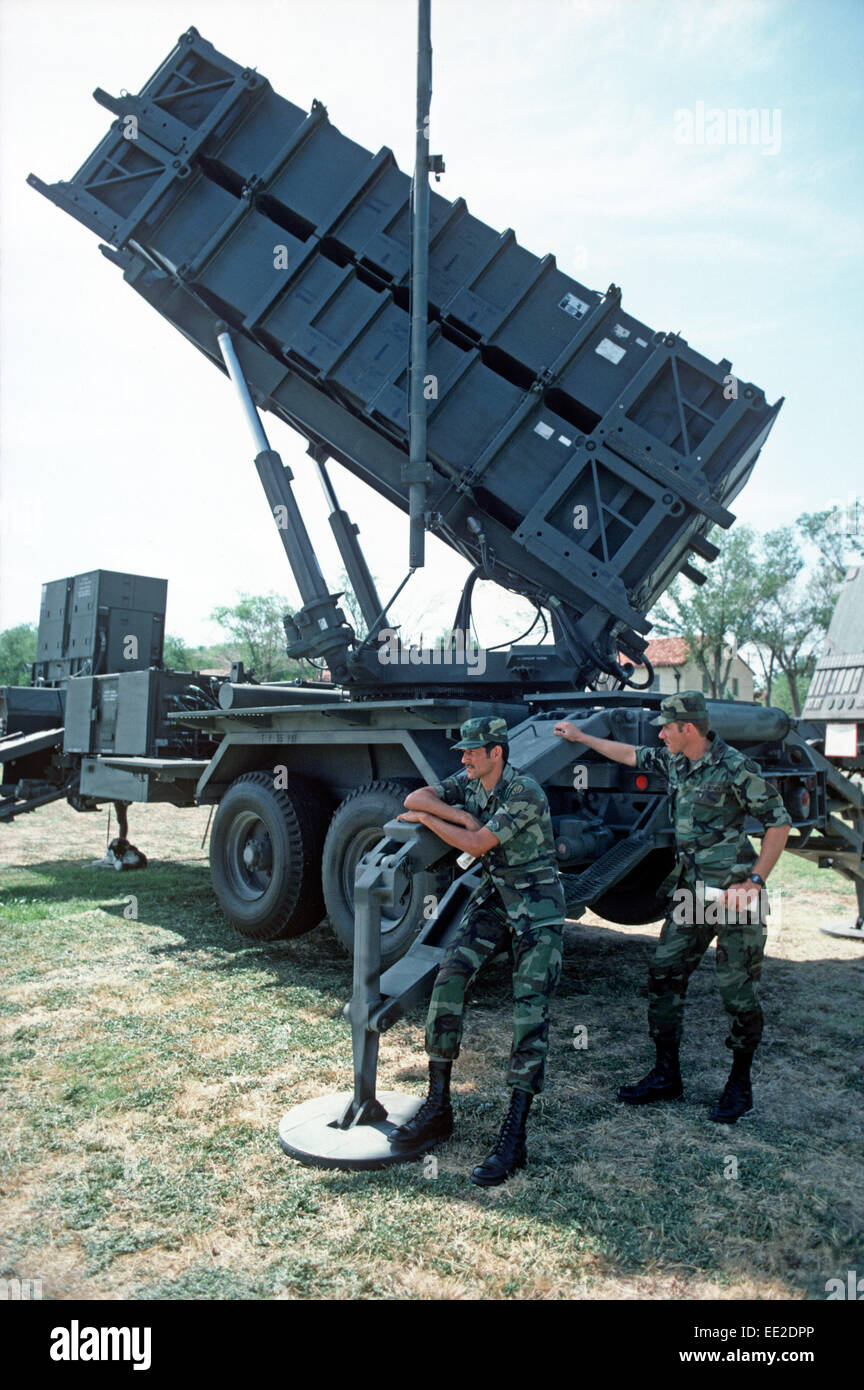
{"x":713,"y":789}
{"x":502,"y":816}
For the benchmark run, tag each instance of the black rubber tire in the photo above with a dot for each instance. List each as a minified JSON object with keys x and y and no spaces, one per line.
{"x":634,"y":902}
{"x":355,"y":828}
{"x":282,"y":898}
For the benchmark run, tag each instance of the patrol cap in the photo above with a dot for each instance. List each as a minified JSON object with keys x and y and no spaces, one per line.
{"x":476,"y":733}
{"x":686,"y":705}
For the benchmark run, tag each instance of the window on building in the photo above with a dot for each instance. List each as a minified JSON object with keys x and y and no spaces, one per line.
{"x":735,"y":686}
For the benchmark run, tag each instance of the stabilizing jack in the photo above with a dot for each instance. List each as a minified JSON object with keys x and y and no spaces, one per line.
{"x":351,"y":1130}
{"x":854,"y":931}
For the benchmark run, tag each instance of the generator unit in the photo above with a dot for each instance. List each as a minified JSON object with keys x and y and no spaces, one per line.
{"x":100,"y":633}
{"x":124,"y":713}
{"x":97,"y":622}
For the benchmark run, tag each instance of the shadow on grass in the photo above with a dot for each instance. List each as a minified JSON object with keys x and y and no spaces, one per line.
{"x":601,"y":964}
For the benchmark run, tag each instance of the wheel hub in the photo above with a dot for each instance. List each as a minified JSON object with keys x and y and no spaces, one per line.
{"x":249,"y":856}
{"x":258,"y":853}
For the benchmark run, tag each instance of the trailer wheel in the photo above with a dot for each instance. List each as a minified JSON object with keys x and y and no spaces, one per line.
{"x":265,"y":856}
{"x":635,"y":901}
{"x":356,"y":827}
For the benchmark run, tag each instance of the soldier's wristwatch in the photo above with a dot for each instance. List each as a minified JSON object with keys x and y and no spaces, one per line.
{"x":758,"y":880}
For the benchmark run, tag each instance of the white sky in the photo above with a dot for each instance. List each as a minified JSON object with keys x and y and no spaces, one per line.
{"x":121,"y":448}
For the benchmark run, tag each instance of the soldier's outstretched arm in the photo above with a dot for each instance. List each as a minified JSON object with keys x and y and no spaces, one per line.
{"x":610,"y":748}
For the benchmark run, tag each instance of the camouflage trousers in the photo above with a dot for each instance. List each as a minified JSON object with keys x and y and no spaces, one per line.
{"x":486,"y":929}
{"x":740,"y":949}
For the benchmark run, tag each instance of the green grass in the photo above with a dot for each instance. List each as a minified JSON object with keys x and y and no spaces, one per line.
{"x":148,"y":1058}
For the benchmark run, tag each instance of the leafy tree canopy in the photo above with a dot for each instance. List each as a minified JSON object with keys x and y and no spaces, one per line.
{"x":17,"y":654}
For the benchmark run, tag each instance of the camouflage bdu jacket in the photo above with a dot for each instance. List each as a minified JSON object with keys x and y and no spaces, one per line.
{"x":523,"y":866}
{"x":711,"y":800}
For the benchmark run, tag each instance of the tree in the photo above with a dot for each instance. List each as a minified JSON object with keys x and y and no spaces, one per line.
{"x":796,"y":615}
{"x":17,"y":654}
{"x":255,"y":622}
{"x":761,"y":591}
{"x":791,"y":619}
{"x":717,"y":618}
{"x":838,"y":541}
{"x":176,"y":655}
{"x":836,"y":536}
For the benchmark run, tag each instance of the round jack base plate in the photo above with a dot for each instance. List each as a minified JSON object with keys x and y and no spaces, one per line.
{"x":311,"y":1134}
{"x":843,"y":929}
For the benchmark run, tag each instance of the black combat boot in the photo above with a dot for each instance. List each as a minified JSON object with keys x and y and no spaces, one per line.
{"x":434,"y":1120}
{"x":663,"y":1082}
{"x":737,"y":1097}
{"x":509,"y":1152}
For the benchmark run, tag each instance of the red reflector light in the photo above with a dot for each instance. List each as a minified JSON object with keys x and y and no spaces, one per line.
{"x":641,"y":782}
